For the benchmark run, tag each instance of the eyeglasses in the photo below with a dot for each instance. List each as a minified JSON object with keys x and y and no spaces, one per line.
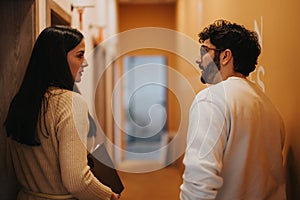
{"x":204,"y":49}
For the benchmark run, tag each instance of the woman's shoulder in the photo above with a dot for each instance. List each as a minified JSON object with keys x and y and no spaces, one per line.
{"x":65,"y":98}
{"x":60,"y":93}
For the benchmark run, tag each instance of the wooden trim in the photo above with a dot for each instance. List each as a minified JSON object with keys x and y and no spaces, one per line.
{"x":51,"y":6}
{"x":36,"y":28}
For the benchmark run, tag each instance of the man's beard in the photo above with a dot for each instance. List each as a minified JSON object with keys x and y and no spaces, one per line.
{"x":211,"y":73}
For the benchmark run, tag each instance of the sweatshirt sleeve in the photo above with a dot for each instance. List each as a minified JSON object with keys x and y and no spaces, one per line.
{"x":72,"y":129}
{"x":206,"y":141}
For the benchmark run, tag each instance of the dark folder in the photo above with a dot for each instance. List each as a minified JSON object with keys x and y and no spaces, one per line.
{"x":103,"y":168}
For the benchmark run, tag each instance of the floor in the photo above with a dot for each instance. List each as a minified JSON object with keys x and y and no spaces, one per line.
{"x":162,"y":184}
{"x":143,"y":150}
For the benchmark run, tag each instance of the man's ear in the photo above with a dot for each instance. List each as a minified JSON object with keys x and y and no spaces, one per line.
{"x":225,"y":56}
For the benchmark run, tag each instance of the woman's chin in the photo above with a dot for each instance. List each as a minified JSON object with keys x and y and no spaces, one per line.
{"x":78,"y":79}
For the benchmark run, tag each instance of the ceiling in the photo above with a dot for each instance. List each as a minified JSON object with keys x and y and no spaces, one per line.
{"x":146,"y":1}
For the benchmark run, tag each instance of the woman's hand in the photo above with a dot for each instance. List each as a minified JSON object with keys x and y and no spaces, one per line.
{"x":114,"y":196}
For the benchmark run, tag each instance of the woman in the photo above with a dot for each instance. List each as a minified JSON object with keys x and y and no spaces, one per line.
{"x":48,"y":124}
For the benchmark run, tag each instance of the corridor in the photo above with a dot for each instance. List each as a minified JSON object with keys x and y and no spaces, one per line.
{"x":116,"y":84}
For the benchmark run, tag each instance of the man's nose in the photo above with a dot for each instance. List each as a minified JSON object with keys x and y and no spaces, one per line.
{"x":198,"y":60}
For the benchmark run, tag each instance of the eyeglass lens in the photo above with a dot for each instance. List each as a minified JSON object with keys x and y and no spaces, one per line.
{"x":203,"y":50}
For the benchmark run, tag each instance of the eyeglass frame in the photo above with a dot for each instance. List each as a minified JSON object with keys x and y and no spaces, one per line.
{"x":204,"y":50}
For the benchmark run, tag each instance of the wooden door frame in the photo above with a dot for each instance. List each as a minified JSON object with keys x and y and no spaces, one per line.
{"x":54,"y":8}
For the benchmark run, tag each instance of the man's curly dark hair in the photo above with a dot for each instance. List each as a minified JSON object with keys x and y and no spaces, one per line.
{"x":243,"y":43}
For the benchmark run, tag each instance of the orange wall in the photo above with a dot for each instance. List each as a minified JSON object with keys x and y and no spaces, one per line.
{"x":278,"y":24}
{"x":155,"y":15}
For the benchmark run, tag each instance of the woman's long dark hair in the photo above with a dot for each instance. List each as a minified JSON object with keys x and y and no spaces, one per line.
{"x":48,"y":67}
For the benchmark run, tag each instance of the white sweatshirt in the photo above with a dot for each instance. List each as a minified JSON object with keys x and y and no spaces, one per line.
{"x":234,"y":145}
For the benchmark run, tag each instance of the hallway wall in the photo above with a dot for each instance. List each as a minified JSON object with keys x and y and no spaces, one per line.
{"x":145,"y":15}
{"x":278,"y":25}
{"x":18,"y":23}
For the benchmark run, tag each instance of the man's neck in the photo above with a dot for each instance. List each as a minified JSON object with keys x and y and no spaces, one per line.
{"x":234,"y":74}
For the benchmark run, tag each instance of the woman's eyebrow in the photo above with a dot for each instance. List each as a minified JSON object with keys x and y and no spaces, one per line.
{"x":80,"y":51}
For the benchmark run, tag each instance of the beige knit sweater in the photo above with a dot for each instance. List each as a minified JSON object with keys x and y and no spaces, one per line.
{"x":59,"y":164}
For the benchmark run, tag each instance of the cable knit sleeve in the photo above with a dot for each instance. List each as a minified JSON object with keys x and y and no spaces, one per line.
{"x":72,"y":129}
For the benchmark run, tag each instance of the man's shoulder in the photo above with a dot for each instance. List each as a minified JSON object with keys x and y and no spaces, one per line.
{"x":211,"y":92}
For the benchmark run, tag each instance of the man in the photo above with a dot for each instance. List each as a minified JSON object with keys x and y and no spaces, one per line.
{"x":235,"y":136}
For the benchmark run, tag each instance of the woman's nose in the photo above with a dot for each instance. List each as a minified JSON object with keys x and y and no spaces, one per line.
{"x":84,"y":63}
